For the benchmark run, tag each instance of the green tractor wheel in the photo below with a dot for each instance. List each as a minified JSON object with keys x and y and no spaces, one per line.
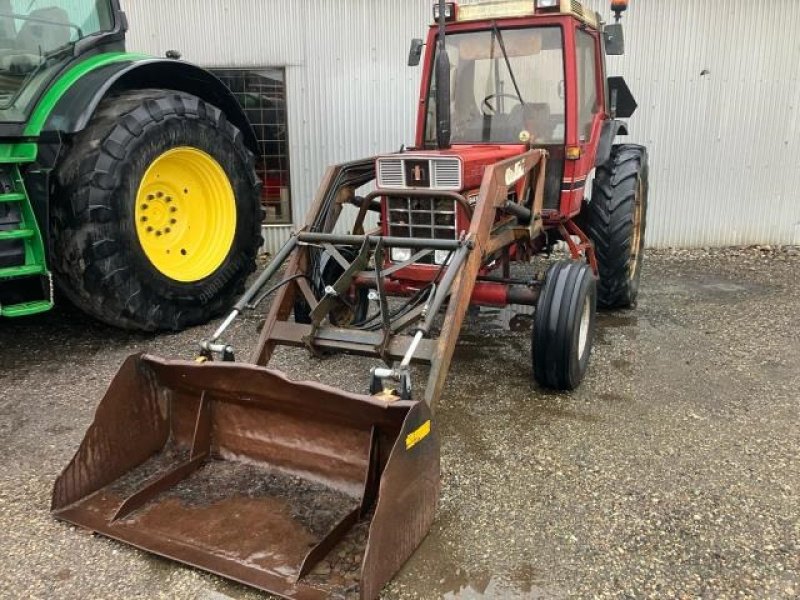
{"x":158,"y":217}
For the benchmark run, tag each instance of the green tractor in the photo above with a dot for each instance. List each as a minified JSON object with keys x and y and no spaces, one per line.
{"x":126,"y":181}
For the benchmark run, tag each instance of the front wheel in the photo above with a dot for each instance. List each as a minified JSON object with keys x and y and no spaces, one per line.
{"x":157,"y":220}
{"x":563,"y":328}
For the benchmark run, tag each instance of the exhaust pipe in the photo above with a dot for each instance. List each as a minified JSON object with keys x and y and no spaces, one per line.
{"x":442,"y":85}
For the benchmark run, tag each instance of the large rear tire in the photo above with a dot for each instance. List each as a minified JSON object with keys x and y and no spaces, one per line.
{"x":563,"y":328}
{"x":615,"y":220}
{"x":157,"y":217}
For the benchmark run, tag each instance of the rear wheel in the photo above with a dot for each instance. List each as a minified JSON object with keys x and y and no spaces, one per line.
{"x":615,"y":220}
{"x":563,"y":329}
{"x":157,"y":219}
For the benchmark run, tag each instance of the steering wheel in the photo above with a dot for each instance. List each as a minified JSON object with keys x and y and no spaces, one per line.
{"x":486,"y":103}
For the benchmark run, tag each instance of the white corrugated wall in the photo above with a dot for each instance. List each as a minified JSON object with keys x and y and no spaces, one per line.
{"x":724,"y":146}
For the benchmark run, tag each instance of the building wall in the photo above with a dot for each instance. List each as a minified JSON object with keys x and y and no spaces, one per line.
{"x":716,"y":81}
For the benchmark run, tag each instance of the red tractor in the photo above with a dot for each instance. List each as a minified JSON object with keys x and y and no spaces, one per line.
{"x":234,"y":468}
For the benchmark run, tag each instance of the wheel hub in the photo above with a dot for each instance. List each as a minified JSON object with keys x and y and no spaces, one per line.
{"x":636,"y":237}
{"x":583,"y":333}
{"x":185,"y":214}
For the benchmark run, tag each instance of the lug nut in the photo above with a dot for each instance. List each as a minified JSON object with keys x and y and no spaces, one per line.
{"x":151,"y":197}
{"x":173,"y":209}
{"x":144,"y":219}
{"x":169,"y":198}
{"x":167,"y":230}
{"x":149,"y":230}
{"x":159,"y":194}
{"x":173,"y":221}
{"x":158,"y":233}
{"x":145,"y":206}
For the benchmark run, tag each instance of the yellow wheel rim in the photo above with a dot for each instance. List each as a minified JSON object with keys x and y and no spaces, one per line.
{"x":185,"y":214}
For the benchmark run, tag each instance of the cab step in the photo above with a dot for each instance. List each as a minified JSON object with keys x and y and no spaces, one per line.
{"x":26,"y":309}
{"x":22,"y":242}
{"x":17,"y":234}
{"x":22,"y":271}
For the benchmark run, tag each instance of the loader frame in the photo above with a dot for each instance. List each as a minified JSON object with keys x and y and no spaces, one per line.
{"x":493,"y":227}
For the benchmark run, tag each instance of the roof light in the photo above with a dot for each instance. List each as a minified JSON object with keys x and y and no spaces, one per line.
{"x":449,"y":11}
{"x":548,"y":3}
{"x":477,"y":10}
{"x":619,"y":7}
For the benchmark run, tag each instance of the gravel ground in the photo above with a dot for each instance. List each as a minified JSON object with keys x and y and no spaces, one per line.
{"x":674,"y":471}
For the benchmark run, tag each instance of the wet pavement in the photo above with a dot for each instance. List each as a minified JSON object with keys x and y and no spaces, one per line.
{"x":674,"y":471}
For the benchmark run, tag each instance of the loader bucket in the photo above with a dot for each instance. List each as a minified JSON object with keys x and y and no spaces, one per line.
{"x":295,"y":488}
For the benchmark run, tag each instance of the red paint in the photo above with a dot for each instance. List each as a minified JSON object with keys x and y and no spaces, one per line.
{"x":484,"y":294}
{"x":476,"y":158}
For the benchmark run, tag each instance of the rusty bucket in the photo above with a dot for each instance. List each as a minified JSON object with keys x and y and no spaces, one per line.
{"x":295,"y":488}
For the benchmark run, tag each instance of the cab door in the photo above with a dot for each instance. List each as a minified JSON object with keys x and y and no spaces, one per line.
{"x":590,"y":111}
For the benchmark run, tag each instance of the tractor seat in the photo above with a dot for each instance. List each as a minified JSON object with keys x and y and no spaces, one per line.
{"x":38,"y":36}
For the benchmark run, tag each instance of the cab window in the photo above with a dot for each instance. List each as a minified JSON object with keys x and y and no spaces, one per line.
{"x":588,"y":99}
{"x":507,"y":86}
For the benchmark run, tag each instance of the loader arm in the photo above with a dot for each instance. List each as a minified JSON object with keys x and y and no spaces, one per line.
{"x":485,"y":235}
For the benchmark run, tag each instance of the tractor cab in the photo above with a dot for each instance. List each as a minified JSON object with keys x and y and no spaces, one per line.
{"x":38,"y":40}
{"x":523,"y":74}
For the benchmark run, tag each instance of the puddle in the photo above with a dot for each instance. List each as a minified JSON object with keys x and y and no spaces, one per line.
{"x":456,"y":583}
{"x":622,"y":365}
{"x":611,"y":398}
{"x":610,"y":324}
{"x":495,"y":589}
{"x":725,"y":287}
{"x":710,"y":287}
{"x":616,"y":320}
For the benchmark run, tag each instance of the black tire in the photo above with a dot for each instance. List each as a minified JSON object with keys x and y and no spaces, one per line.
{"x":615,"y":220}
{"x":98,"y":260}
{"x":566,"y":305}
{"x":345,"y":314}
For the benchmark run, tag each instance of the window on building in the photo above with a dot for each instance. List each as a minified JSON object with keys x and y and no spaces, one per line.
{"x":262,"y":94}
{"x":588,"y":104}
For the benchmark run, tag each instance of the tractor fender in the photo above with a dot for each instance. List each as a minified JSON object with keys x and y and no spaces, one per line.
{"x":77,"y":105}
{"x":611,"y":129}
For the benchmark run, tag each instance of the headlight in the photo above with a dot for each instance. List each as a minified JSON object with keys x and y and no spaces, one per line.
{"x":440,"y":256}
{"x":401,"y":254}
{"x":449,"y":11}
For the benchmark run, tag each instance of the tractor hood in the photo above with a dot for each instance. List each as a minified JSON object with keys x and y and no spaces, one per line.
{"x":457,"y":169}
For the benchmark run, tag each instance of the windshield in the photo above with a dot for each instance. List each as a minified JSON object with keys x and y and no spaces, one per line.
{"x":35,"y":39}
{"x":504,"y":97}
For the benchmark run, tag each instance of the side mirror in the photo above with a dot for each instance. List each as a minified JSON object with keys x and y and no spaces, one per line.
{"x":615,"y":39}
{"x":415,"y":53}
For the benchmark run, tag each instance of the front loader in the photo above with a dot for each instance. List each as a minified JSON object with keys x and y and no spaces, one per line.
{"x":309,"y":491}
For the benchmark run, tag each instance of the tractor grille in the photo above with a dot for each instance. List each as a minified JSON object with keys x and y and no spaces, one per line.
{"x":446,"y":174}
{"x":423,"y":218}
{"x":433,"y":173}
{"x":390,"y":173}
